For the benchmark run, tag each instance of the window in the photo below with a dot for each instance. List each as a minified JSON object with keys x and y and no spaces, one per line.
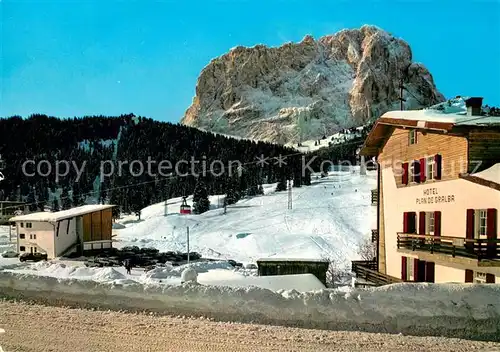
{"x":479,"y":278}
{"x":28,"y":225}
{"x":22,"y":236}
{"x":412,"y":137}
{"x":430,"y":163}
{"x":429,"y":221}
{"x":34,"y":236}
{"x":409,"y":269}
{"x":35,"y":250}
{"x":22,"y":248}
{"x":481,"y":215}
{"x":413,"y":172}
{"x":410,"y":222}
{"x":21,"y":224}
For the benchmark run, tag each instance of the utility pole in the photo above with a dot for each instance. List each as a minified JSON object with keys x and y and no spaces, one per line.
{"x":165,"y":210}
{"x":188,"y":244}
{"x":401,"y":89}
{"x":289,"y":194}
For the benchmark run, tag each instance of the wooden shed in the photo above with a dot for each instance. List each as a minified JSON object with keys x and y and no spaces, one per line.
{"x":284,"y":266}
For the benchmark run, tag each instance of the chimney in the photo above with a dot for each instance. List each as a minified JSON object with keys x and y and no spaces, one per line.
{"x":474,"y":105}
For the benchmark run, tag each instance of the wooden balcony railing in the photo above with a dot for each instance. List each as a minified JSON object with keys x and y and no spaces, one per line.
{"x":374,"y":197}
{"x":480,"y":249}
{"x":367,"y":270}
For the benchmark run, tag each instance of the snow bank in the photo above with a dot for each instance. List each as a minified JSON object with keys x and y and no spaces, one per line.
{"x":62,"y":271}
{"x":301,"y":282}
{"x":189,"y":274}
{"x":457,"y":310}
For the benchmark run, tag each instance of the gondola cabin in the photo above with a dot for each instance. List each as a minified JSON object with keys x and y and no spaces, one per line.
{"x":185,"y":208}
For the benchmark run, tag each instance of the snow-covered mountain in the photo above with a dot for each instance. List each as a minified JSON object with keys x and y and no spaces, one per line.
{"x":328,"y":219}
{"x":302,"y":91}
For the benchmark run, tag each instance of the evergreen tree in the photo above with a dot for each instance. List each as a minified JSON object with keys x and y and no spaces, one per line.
{"x":65,"y":199}
{"x":115,"y":212}
{"x":232,"y":193}
{"x":55,"y":205}
{"x":102,"y":195}
{"x":138,"y":200}
{"x":306,"y":180}
{"x":31,"y":200}
{"x":78,"y":198}
{"x":43,"y":197}
{"x":297,"y":179}
{"x":260,"y":190}
{"x":201,"y":203}
{"x":282,"y":184}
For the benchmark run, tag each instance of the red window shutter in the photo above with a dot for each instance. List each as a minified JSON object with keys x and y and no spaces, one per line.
{"x":405,"y":222}
{"x":417,"y":170}
{"x":403,"y":269}
{"x":469,"y":275}
{"x":421,"y":223}
{"x":405,"y":174}
{"x":437,"y":223}
{"x":437,"y":166}
{"x":429,"y":272}
{"x":415,"y":270}
{"x":491,"y":223}
{"x":470,"y":224}
{"x":490,"y":278}
{"x":423,"y":170}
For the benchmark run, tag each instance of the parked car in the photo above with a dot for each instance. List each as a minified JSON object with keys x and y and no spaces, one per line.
{"x":36,"y":257}
{"x":235,"y":263}
{"x":10,"y":254}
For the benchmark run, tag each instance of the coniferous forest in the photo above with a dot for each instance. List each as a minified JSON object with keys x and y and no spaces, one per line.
{"x":128,"y":150}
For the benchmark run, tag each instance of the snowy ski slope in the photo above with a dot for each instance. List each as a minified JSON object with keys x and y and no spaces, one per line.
{"x":328,"y":219}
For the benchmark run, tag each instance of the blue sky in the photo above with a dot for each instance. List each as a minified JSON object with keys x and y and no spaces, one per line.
{"x":85,"y":57}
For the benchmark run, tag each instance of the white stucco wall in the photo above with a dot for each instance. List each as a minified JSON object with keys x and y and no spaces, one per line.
{"x":44,"y":232}
{"x":466,"y":195}
{"x":448,"y":274}
{"x":65,"y":237}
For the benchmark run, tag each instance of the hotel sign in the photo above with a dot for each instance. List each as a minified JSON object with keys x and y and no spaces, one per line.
{"x":432,"y":196}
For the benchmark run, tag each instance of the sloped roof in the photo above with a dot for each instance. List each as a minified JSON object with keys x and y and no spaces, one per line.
{"x":429,"y":115}
{"x":488,"y":178}
{"x":491,"y":174}
{"x":63,"y":214}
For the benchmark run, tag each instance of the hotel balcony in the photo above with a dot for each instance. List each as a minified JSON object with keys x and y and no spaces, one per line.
{"x":367,"y":274}
{"x":480,"y":252}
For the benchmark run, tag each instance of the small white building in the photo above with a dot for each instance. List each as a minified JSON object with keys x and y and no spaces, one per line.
{"x":80,"y":229}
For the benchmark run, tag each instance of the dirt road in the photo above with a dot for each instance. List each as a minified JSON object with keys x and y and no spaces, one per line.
{"x":37,"y":328}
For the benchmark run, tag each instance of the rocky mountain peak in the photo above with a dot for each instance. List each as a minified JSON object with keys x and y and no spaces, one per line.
{"x":301,"y":91}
